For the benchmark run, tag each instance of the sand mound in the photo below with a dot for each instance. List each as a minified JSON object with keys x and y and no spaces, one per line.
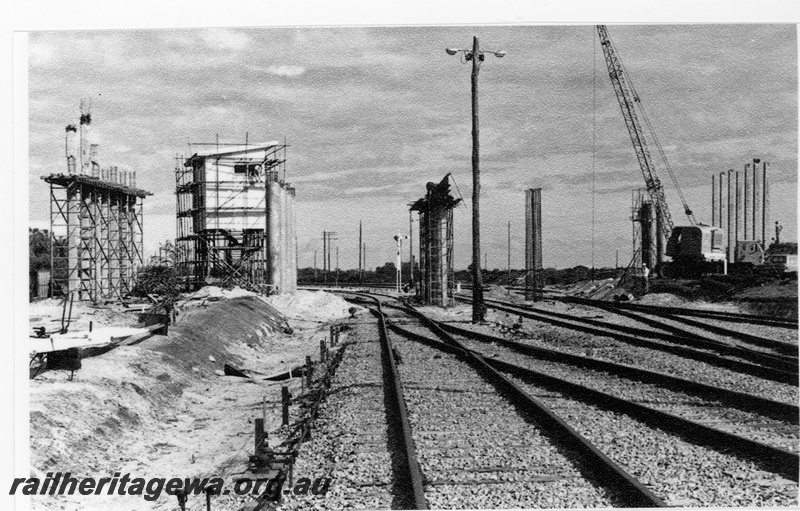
{"x":218,"y":293}
{"x":311,"y":305}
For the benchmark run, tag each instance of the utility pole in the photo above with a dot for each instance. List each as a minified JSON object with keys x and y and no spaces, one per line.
{"x":360,"y":273}
{"x":478,"y":307}
{"x":337,"y":265}
{"x":315,"y":266}
{"x":475,"y":55}
{"x":324,"y":255}
{"x":509,"y":249}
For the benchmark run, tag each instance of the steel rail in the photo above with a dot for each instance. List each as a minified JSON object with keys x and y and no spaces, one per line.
{"x":772,"y":459}
{"x":682,"y":311}
{"x":735,"y":365}
{"x":772,"y":361}
{"x":785,"y":412}
{"x":410,"y":479}
{"x":785,"y":349}
{"x":632,"y":491}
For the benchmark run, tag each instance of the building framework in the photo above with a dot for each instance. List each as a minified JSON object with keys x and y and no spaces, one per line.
{"x":436,"y":244}
{"x":97,"y":227}
{"x":236,"y":217}
{"x":534,"y":277}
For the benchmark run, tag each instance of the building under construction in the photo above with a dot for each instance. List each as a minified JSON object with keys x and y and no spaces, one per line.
{"x":236,"y":217}
{"x":95,"y":222}
{"x":436,"y":243}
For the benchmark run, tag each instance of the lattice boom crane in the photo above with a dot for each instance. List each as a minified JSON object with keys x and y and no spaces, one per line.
{"x":631,"y":108}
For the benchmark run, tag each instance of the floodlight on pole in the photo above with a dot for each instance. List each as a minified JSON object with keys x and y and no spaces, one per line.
{"x":478,"y":307}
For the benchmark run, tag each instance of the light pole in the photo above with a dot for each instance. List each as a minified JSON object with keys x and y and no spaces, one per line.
{"x":399,"y":239}
{"x":476,"y":56}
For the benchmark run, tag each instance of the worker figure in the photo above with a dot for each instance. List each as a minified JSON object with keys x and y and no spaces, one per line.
{"x":646,"y":278}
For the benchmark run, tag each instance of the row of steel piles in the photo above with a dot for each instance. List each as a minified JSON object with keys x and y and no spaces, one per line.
{"x":740,"y":203}
{"x":534,"y":278}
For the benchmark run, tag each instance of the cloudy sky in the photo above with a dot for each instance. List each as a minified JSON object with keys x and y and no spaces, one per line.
{"x":372,"y":114}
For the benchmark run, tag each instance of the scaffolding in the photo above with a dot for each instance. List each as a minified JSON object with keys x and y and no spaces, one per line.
{"x":96,"y":227}
{"x":436,"y":244}
{"x":235,"y":217}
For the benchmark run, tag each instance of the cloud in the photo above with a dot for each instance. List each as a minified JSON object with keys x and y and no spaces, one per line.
{"x":286,"y":70}
{"x":224,"y":39}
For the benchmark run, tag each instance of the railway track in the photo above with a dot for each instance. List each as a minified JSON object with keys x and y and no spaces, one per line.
{"x":361,"y":437}
{"x":730,"y":317}
{"x":584,"y":407}
{"x":776,"y":368}
{"x":459,"y":418}
{"x":482,"y":442}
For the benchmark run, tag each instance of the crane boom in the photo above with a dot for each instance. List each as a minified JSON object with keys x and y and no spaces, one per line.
{"x":629,"y":104}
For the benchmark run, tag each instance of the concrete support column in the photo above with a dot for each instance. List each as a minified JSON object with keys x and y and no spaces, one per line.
{"x":758,"y":201}
{"x":765,"y":203}
{"x":747,"y":204}
{"x":646,"y":223}
{"x":73,"y":206}
{"x":274,"y":236}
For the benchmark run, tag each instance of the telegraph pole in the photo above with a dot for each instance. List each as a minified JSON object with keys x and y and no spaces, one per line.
{"x":476,"y":56}
{"x":509,"y":249}
{"x":478,"y":307}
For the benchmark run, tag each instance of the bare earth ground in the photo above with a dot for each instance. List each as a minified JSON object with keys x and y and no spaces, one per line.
{"x":160,"y":408}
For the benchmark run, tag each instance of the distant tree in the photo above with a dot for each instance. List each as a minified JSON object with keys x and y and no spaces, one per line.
{"x":39,"y":249}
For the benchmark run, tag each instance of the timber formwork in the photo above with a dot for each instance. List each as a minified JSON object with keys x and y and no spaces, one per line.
{"x":534,"y":276}
{"x":238,"y":227}
{"x":97,"y":229}
{"x":436,"y":244}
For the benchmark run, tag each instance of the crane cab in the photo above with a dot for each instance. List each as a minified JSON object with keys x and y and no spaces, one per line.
{"x":695,"y":250}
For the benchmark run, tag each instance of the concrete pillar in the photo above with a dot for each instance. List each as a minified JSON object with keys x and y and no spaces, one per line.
{"x":274,"y":235}
{"x":747,"y":204}
{"x":659,"y":235}
{"x":282,"y":238}
{"x":114,"y":246}
{"x":721,"y":202}
{"x":646,"y":223}
{"x":713,"y":200}
{"x":737,"y":224}
{"x":730,"y":221}
{"x":293,"y":238}
{"x":758,"y":201}
{"x":765,"y":202}
{"x":74,"y":236}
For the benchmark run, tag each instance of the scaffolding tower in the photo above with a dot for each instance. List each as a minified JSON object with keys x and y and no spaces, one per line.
{"x":96,"y":227}
{"x":436,"y":244}
{"x":235,"y":217}
{"x":96,"y":224}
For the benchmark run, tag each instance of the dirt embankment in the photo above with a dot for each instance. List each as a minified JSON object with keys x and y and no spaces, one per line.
{"x":160,"y":408}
